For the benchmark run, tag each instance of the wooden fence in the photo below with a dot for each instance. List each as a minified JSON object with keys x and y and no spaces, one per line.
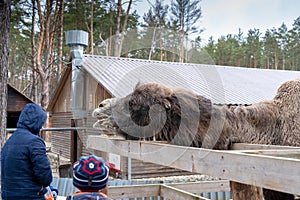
{"x":261,"y":166}
{"x":151,"y":189}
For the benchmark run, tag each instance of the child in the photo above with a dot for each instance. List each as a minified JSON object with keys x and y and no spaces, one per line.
{"x":90,"y":175}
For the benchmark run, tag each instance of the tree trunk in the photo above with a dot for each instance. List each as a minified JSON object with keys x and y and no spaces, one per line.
{"x":268,"y":62}
{"x":4,"y":44}
{"x":45,"y":92}
{"x":60,"y":63}
{"x":45,"y":72}
{"x":45,"y":48}
{"x":124,"y":27}
{"x":160,"y":44}
{"x":276,"y":59}
{"x":13,"y":60}
{"x":34,"y":92}
{"x":181,"y":53}
{"x":255,"y":62}
{"x":40,"y":44}
{"x":110,"y":41}
{"x":92,"y":29}
{"x":152,"y":44}
{"x":238,"y":63}
{"x":118,"y":21}
{"x":283,"y":62}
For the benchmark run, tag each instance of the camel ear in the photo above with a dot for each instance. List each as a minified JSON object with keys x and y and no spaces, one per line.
{"x":138,"y":84}
{"x":166,"y":104}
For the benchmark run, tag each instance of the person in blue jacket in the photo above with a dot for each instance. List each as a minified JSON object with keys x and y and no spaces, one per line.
{"x":25,"y":168}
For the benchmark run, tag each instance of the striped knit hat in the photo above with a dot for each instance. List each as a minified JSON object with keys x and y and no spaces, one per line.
{"x":90,"y":173}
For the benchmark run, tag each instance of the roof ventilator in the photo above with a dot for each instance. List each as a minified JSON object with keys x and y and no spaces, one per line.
{"x":77,"y":40}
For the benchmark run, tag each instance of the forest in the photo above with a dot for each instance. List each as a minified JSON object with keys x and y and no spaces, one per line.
{"x":38,"y":54}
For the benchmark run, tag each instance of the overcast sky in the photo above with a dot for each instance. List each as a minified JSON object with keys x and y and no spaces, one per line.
{"x":222,"y":17}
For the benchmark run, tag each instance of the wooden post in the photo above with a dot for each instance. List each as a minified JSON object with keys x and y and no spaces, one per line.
{"x":241,"y":191}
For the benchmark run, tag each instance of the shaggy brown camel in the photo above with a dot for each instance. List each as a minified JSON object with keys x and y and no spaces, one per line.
{"x":184,"y":118}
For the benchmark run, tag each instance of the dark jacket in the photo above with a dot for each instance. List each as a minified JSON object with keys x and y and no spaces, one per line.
{"x":25,"y":167}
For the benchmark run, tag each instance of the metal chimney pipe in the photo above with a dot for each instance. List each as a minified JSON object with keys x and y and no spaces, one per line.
{"x":77,"y":40}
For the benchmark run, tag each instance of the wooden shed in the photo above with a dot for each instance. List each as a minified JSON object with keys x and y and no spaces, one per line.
{"x":106,"y":77}
{"x":15,"y":104}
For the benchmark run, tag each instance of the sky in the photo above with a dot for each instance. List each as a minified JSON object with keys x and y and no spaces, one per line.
{"x":222,"y":17}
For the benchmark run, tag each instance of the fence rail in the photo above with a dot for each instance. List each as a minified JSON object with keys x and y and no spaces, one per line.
{"x":53,"y":129}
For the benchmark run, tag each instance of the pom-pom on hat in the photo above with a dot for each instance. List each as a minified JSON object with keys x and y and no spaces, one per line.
{"x":90,"y":173}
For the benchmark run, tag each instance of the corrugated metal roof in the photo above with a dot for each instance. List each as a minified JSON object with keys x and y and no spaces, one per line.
{"x":221,"y":84}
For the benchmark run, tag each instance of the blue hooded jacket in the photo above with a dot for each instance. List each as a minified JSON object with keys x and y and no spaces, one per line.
{"x":25,"y":167}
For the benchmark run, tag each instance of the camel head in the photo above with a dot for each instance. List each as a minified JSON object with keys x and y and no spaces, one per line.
{"x":103,"y":113}
{"x":131,"y":113}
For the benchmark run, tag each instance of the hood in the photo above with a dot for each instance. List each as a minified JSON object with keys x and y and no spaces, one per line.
{"x":32,"y":118}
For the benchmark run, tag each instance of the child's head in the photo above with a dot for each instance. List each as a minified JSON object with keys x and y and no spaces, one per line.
{"x":90,"y":174}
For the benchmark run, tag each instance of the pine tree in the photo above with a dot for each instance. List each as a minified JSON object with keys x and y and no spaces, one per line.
{"x":270,"y":44}
{"x":295,"y":45}
{"x":254,"y":47}
{"x":282,"y":40}
{"x":185,"y":13}
{"x":156,"y":18}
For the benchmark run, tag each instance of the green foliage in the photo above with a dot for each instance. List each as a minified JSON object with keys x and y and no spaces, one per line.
{"x":276,"y":49}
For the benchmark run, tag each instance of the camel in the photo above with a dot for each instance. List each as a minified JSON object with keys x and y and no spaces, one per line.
{"x":184,"y":118}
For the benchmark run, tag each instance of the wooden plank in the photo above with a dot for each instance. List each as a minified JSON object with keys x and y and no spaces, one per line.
{"x":154,"y":190}
{"x":270,"y":150}
{"x":141,"y":169}
{"x":203,"y":186}
{"x":282,"y":174}
{"x":134,"y":191}
{"x":170,"y":193}
{"x":277,"y":153}
{"x":245,"y":146}
{"x":240,"y":190}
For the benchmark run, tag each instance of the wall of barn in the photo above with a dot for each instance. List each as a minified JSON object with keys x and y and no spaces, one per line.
{"x":61,"y":140}
{"x":63,"y":101}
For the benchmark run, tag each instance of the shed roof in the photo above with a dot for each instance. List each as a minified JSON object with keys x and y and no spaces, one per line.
{"x":222,"y":84}
{"x":20,"y":93}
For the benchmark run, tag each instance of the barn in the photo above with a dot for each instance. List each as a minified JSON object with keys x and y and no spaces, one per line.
{"x":15,"y":104}
{"x":104,"y":77}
